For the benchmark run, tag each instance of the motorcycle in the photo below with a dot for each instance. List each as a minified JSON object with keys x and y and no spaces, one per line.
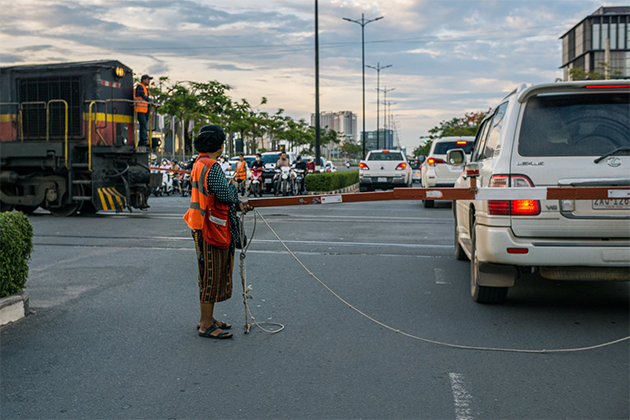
{"x":167,"y":184}
{"x":256,"y":182}
{"x":348,"y":164}
{"x":298,"y":181}
{"x":184,"y":182}
{"x":284,"y":180}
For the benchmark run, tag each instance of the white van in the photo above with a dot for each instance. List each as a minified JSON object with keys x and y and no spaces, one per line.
{"x":562,"y":134}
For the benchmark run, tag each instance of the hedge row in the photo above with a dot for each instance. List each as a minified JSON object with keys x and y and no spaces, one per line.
{"x":330,"y":181}
{"x":16,"y":244}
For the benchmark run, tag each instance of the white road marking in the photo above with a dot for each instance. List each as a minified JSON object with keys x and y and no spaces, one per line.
{"x":189,"y":238}
{"x":461,"y":397}
{"x":440,"y":278}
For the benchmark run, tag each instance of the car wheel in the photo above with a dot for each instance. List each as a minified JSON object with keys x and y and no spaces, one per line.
{"x":428,"y":204}
{"x":363,"y":188}
{"x":459,"y":251}
{"x":482,"y":294}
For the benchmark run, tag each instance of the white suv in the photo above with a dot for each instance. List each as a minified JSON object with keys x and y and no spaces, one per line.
{"x":384,"y":169}
{"x":435,"y":171}
{"x":562,"y":134}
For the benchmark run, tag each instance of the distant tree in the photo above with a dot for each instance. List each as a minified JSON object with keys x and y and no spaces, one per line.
{"x":464,"y":126}
{"x":423,"y":150}
{"x":352,"y":149}
{"x":577,"y":73}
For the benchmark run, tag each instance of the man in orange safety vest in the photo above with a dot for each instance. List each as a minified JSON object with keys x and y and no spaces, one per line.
{"x":141,"y":96}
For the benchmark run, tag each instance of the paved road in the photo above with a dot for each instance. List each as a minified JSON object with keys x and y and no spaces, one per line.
{"x":114,"y":331}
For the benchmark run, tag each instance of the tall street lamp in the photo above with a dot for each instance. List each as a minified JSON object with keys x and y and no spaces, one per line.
{"x":317,"y":122}
{"x":385,"y":90}
{"x":378,"y":69}
{"x":363,"y":22}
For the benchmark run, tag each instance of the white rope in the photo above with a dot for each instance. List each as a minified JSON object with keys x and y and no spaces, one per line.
{"x":248,"y":288}
{"x":426,"y":340}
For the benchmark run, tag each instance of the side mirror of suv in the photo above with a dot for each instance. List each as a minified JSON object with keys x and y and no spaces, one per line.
{"x":456,"y":157}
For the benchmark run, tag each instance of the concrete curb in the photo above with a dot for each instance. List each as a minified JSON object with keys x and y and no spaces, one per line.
{"x":13,"y":308}
{"x":352,"y":188}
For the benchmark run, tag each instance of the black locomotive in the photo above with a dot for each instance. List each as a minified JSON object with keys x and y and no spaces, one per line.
{"x":68,"y":139}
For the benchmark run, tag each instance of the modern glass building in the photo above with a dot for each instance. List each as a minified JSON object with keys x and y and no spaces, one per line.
{"x":584,"y":45}
{"x":386,"y":140}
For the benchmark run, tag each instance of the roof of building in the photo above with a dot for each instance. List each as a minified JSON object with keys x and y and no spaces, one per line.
{"x":602,"y":11}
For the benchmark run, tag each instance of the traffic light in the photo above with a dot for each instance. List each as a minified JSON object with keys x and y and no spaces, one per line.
{"x":282,"y":148}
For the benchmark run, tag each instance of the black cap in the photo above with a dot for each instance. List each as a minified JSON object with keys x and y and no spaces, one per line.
{"x":145,"y":76}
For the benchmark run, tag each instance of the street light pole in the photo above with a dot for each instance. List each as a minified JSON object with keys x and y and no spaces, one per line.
{"x":378,"y":69}
{"x":385,"y":90}
{"x":317,"y":122}
{"x":363,"y":22}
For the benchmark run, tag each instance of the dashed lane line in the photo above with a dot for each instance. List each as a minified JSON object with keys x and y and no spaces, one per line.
{"x":461,"y":397}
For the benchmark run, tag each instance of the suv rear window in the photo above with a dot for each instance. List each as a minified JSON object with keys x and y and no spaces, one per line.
{"x":443,"y":147}
{"x":385,"y":156}
{"x":575,"y":125}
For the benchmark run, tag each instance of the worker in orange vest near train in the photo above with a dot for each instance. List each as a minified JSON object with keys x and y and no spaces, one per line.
{"x":141,"y":96}
{"x":241,"y":173}
{"x":213,"y":219}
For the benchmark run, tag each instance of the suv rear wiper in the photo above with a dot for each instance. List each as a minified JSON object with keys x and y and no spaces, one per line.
{"x":612,"y":152}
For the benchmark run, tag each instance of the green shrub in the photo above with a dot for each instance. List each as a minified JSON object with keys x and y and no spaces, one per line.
{"x":330,"y":181}
{"x":16,"y":244}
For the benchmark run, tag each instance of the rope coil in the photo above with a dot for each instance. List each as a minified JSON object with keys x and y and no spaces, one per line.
{"x":248,"y":288}
{"x":368,"y":317}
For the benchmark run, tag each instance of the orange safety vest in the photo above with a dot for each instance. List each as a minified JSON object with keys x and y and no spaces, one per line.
{"x":241,"y":170}
{"x":142,"y":107}
{"x":207,"y":214}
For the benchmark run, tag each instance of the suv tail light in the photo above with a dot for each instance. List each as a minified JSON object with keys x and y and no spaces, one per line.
{"x":512,"y":207}
{"x":434,"y":161}
{"x":401,"y":166}
{"x":363,"y":166}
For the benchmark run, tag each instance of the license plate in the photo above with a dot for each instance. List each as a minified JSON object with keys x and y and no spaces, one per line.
{"x":612,"y":204}
{"x":381,"y":179}
{"x":268,"y":181}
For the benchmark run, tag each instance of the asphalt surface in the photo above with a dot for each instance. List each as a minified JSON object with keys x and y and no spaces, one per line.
{"x":115,"y":301}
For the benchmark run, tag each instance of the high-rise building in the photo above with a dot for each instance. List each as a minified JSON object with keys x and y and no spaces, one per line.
{"x":385,"y":140}
{"x":343,"y":122}
{"x":584,"y":46}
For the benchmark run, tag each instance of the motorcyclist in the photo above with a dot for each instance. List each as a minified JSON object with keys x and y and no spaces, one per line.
{"x":310,"y":166}
{"x":241,"y":173}
{"x":301,"y":165}
{"x":175,"y":175}
{"x":283,"y":161}
{"x":225,"y":166}
{"x":258,"y":163}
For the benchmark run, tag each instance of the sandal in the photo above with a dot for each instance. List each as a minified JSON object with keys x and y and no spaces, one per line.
{"x":220,"y":324}
{"x":221,"y":336}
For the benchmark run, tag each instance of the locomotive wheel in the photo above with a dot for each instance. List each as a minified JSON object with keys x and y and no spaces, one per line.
{"x":69,"y":209}
{"x":65,"y":210}
{"x":26,"y":209}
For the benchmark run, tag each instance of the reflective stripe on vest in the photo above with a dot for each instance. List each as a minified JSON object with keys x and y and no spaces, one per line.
{"x":142,"y":107}
{"x":199,"y":198}
{"x":241,"y":170}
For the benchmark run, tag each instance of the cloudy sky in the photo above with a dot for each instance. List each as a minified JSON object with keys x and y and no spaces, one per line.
{"x":448,"y":57}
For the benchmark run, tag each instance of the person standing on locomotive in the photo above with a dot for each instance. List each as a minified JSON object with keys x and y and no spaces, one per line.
{"x":141,"y":94}
{"x":213,"y":220}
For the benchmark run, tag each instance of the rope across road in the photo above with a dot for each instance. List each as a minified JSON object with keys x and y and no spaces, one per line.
{"x":248,"y":316}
